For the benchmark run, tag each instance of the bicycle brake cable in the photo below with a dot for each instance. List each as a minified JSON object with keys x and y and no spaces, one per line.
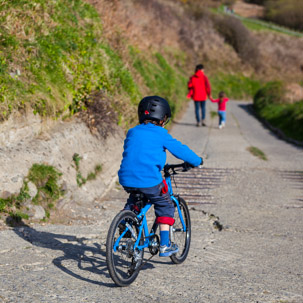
{"x":174,"y":181}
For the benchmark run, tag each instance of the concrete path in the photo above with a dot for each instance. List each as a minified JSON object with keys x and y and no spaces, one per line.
{"x":256,"y":257}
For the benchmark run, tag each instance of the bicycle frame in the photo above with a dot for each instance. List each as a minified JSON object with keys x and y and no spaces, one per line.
{"x":144,"y":227}
{"x":170,"y":190}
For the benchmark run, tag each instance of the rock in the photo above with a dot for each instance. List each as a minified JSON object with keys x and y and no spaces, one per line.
{"x":63,"y":186}
{"x":22,"y":145}
{"x":5,"y":194}
{"x":35,"y":212}
{"x":64,"y":202}
{"x":32,"y":189}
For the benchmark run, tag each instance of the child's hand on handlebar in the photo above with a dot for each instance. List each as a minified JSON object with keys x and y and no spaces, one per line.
{"x":188,"y":166}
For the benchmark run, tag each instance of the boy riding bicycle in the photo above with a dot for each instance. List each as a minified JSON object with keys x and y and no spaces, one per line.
{"x":144,"y":157}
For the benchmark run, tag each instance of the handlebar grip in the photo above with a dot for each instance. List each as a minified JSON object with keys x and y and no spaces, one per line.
{"x":187,"y":166}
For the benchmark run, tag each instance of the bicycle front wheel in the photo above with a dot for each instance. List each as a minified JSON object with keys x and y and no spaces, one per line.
{"x":123,"y":261}
{"x":180,"y":237}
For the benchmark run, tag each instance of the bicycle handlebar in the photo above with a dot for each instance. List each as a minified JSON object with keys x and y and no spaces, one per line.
{"x":185,"y":167}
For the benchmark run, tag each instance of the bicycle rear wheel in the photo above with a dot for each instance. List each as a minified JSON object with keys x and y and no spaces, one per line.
{"x":180,"y":237}
{"x":123,"y":261}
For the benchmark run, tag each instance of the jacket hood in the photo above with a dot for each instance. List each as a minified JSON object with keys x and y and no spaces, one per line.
{"x":199,"y":74}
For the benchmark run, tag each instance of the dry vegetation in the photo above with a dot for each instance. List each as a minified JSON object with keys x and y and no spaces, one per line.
{"x":288,"y":13}
{"x":220,"y":43}
{"x":55,"y":54}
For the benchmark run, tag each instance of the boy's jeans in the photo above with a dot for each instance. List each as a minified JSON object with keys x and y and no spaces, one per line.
{"x":199,"y":104}
{"x":222,"y":116}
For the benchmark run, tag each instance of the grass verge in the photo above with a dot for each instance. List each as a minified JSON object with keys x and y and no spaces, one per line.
{"x":53,"y":56}
{"x":161,"y":78}
{"x":268,"y":104}
{"x":235,"y":86}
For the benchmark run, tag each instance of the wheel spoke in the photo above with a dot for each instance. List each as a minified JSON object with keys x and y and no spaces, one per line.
{"x":181,"y":237}
{"x":124,"y":261}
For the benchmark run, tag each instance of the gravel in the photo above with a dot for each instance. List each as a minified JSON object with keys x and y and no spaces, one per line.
{"x":257,"y":257}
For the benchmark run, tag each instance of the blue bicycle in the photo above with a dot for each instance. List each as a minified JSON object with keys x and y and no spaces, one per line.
{"x":129,"y":234}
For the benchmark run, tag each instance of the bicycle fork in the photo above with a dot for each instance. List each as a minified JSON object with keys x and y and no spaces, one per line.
{"x":183,"y":229}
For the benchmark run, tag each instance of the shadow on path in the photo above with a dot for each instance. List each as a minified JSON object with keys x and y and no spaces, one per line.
{"x":89,"y":258}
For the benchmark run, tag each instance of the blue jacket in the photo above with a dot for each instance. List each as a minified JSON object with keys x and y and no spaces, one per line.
{"x":144,"y":155}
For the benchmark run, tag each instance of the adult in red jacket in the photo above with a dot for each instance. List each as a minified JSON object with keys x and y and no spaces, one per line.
{"x":199,"y":89}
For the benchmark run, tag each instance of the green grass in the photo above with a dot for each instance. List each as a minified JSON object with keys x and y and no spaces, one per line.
{"x":46,"y":178}
{"x":213,"y":114}
{"x":90,"y":176}
{"x":59,"y":58}
{"x":257,"y":152}
{"x":286,"y":117}
{"x":269,"y":104}
{"x":235,"y":86}
{"x":160,"y":77}
{"x":260,"y":25}
{"x":15,"y":200}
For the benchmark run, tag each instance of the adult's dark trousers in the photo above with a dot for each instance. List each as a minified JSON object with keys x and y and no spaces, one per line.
{"x":198,"y":105}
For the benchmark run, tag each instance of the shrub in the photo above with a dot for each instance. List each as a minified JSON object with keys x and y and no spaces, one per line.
{"x":240,"y":38}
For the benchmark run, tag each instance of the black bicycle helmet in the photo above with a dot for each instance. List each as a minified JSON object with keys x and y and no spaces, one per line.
{"x":154,"y":108}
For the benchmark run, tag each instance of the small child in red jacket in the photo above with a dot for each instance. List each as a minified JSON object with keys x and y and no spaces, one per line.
{"x":222,"y":100}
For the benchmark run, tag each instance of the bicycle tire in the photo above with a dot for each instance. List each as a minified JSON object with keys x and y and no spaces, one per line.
{"x":181,"y":238}
{"x":124,"y":263}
